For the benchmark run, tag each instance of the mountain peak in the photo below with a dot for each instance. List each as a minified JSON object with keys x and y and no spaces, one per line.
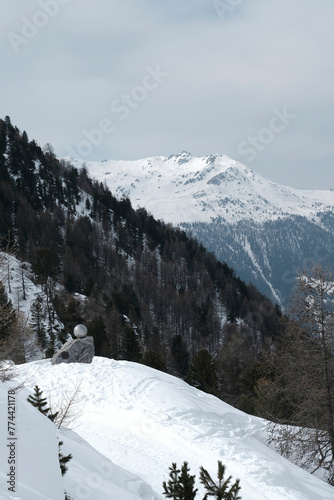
{"x":184,"y":189}
{"x":180,"y":158}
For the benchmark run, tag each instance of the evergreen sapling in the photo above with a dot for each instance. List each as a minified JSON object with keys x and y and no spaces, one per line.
{"x":63,"y":459}
{"x":41,"y":403}
{"x":180,"y":486}
{"x":220,"y":491}
{"x":185,"y":487}
{"x":170,"y":488}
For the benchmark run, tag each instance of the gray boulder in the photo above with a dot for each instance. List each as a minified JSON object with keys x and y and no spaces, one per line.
{"x":75,"y":351}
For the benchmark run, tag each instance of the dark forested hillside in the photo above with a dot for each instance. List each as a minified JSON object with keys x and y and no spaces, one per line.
{"x":280,"y":248}
{"x":146,"y":291}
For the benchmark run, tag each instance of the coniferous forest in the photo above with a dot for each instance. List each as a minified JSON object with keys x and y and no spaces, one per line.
{"x":146,"y":291}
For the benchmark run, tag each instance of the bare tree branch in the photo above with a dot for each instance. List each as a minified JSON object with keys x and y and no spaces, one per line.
{"x":69,"y":408}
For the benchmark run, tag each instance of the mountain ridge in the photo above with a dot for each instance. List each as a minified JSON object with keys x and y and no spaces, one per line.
{"x":265,"y":231}
{"x":209,"y":186}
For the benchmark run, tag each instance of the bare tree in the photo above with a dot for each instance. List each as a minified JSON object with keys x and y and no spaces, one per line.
{"x":6,"y":369}
{"x":69,"y":408}
{"x":299,"y":388}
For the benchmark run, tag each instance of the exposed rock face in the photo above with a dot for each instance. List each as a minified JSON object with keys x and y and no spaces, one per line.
{"x":75,"y":351}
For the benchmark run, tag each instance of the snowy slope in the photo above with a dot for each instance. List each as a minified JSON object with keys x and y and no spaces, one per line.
{"x":143,"y":420}
{"x":37,"y":473}
{"x":182,"y":188}
{"x":92,"y":475}
{"x":20,"y":284}
{"x":31,"y":451}
{"x":15,"y":274}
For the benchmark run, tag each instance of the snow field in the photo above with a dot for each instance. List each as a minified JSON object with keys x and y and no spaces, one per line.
{"x":143,"y":420}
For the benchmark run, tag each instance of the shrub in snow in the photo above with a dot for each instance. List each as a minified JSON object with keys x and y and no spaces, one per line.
{"x":222,"y":490}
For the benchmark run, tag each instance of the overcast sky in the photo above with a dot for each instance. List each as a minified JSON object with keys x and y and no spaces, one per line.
{"x":128,"y":79}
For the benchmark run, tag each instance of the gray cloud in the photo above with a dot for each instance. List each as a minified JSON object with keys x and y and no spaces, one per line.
{"x":230,"y":65}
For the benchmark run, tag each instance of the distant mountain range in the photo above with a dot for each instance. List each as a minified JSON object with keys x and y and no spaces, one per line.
{"x":267,"y":232}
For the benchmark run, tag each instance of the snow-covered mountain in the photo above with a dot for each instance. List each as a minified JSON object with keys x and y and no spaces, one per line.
{"x":264,"y":230}
{"x":135,"y":421}
{"x":182,"y":188}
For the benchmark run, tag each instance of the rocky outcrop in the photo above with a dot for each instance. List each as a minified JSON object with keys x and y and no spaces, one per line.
{"x":75,"y":351}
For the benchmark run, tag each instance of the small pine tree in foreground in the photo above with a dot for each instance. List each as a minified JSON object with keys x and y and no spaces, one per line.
{"x":220,"y":491}
{"x":170,"y":488}
{"x":41,"y":403}
{"x":186,"y":484}
{"x":181,"y":484}
{"x":63,"y":460}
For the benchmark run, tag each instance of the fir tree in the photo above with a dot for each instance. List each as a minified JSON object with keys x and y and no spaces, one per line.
{"x":38,"y":315}
{"x":180,"y":486}
{"x":154,"y":360}
{"x":41,"y":403}
{"x":186,"y":484}
{"x":97,"y":329}
{"x":202,"y":372}
{"x":130,"y":345}
{"x":220,"y":491}
{"x":63,"y":460}
{"x":170,"y":488}
{"x":180,"y":355}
